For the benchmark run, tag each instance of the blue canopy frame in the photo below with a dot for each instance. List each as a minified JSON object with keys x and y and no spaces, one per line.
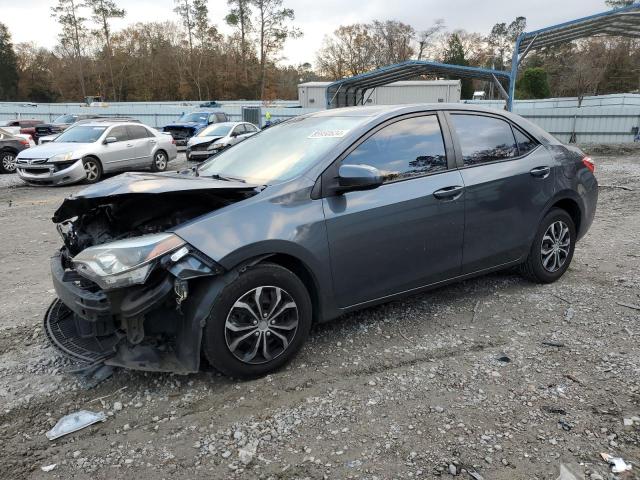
{"x":624,"y":22}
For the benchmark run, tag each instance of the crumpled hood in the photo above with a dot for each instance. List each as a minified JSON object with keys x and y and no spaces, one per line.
{"x":53,"y":148}
{"x":185,"y":125}
{"x":143,"y":184}
{"x":198,"y":140}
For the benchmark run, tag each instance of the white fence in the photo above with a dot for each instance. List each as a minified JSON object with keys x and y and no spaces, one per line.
{"x":602,"y":119}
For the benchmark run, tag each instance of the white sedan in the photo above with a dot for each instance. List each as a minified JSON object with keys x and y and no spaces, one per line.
{"x":216,"y":137}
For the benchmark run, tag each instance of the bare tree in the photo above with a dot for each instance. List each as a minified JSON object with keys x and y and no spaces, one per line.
{"x":73,"y":36}
{"x":102,"y":12}
{"x":240,"y":18}
{"x":273,"y":30}
{"x":425,"y":37}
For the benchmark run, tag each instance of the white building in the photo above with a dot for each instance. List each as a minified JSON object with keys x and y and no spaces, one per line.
{"x":313,"y":94}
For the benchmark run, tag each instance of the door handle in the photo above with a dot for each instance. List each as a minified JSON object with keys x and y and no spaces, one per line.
{"x":449,"y":193}
{"x":540,"y":172}
{"x":129,"y":144}
{"x":152,"y":142}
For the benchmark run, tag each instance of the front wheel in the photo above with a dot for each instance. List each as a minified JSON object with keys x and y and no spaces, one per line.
{"x":259,"y":322}
{"x":160,"y":161}
{"x":7,"y":162}
{"x":93,"y":169}
{"x":552,"y":248}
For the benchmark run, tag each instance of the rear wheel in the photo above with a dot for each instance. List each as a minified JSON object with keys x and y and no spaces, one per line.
{"x":258,"y":323}
{"x":7,"y":162}
{"x":160,"y":161}
{"x":93,"y":169}
{"x":552,"y":248}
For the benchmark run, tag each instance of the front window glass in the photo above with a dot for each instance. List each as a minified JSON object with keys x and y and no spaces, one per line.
{"x":81,"y":134}
{"x":194,"y":117}
{"x":65,"y":119}
{"x":404,"y":149}
{"x":283,"y":151}
{"x":215,"y":130}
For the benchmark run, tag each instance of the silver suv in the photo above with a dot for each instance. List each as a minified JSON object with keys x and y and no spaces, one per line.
{"x":86,"y":151}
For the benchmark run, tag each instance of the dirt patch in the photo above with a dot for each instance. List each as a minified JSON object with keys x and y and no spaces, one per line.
{"x":494,"y":374}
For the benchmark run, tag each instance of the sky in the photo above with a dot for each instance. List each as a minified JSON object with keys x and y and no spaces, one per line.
{"x":30,"y":20}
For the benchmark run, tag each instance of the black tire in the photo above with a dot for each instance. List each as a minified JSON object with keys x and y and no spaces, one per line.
{"x":7,"y":161}
{"x":218,"y":339}
{"x":93,"y":169}
{"x":534,"y":267}
{"x":160,"y":161}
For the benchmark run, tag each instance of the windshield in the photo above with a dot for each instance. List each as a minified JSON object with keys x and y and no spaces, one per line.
{"x":81,"y":134}
{"x":198,"y":117}
{"x":214,"y":130}
{"x":281,"y":152}
{"x":65,"y":119}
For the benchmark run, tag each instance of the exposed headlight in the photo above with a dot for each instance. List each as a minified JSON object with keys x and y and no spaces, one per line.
{"x":124,"y":262}
{"x":62,"y":157}
{"x":215,"y":146}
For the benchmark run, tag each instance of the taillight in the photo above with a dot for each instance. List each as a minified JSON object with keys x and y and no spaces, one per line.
{"x":588,"y":162}
{"x":24,"y":141}
{"x":173,"y":141}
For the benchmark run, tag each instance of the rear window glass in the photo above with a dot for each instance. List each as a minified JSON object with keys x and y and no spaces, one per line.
{"x":484,"y":139}
{"x":525,"y":144}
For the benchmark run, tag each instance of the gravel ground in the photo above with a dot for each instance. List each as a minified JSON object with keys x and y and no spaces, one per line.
{"x":495,"y":375}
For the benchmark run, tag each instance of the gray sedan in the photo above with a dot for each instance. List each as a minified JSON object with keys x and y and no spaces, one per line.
{"x":322,"y":215}
{"x":86,"y":151}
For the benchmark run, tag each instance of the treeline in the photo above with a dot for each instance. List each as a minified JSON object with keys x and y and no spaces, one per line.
{"x":189,"y":58}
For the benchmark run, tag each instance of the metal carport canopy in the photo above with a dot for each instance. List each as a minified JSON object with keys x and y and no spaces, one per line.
{"x":621,"y":22}
{"x":351,"y":91}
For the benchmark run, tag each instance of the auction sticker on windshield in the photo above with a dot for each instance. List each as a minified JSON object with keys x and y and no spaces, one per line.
{"x":328,"y":134}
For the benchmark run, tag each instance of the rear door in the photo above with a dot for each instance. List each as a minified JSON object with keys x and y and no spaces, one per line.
{"x":508,"y":181}
{"x":408,"y":232}
{"x":119,"y":154}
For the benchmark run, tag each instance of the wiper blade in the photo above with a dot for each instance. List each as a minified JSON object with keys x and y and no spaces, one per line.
{"x":217,"y":176}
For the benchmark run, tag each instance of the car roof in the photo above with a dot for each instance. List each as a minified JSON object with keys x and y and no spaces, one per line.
{"x":108,"y":123}
{"x":387,"y":111}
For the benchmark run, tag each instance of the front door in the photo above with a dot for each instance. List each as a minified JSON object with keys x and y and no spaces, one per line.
{"x":406,"y":233}
{"x":508,"y":182}
{"x":119,"y":154}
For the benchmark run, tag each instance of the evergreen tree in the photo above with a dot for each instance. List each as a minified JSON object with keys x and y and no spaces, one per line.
{"x":454,"y":55}
{"x":8,"y":66}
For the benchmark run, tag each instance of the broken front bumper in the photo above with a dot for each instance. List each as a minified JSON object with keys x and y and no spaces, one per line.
{"x":143,"y":327}
{"x":51,"y":173}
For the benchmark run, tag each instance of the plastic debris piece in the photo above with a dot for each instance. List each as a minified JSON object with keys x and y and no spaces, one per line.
{"x":74,"y":422}
{"x":618,"y":465}
{"x":475,"y":475}
{"x":569,"y":472}
{"x":48,"y":468}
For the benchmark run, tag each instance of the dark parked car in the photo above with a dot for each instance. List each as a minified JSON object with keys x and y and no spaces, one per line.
{"x":27,"y":126}
{"x":10,"y":146}
{"x":61,"y":123}
{"x":321,"y":215}
{"x":191,"y":123}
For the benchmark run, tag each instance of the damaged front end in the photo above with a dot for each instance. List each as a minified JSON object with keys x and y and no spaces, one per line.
{"x":130,"y":292}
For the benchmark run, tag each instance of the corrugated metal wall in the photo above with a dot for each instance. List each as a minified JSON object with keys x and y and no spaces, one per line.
{"x":602,"y":119}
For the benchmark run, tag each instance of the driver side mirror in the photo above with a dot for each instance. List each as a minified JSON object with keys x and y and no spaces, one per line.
{"x":358,"y":177}
{"x":110,"y":140}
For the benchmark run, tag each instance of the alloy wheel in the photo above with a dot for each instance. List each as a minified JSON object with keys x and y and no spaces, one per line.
{"x":91,"y":169}
{"x":556,"y":243}
{"x":161,"y":161}
{"x":8,"y":161}
{"x":261,"y":325}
